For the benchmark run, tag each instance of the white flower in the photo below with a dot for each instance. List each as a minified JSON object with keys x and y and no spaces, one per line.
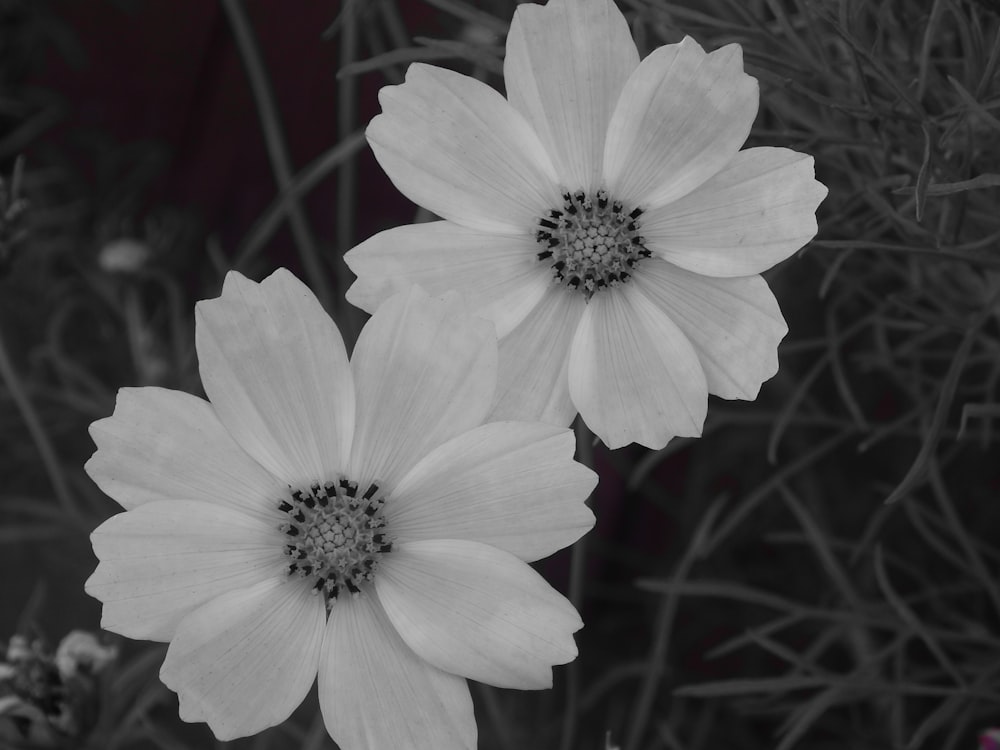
{"x":603,"y":216}
{"x":371,"y":486}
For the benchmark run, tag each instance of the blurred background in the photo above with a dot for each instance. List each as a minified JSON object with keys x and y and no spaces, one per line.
{"x":819,"y":570}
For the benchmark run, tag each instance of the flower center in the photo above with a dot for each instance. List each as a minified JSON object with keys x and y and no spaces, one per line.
{"x":336,"y":535}
{"x":591,"y":243}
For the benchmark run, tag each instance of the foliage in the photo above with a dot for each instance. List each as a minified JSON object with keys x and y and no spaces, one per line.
{"x":819,"y":570}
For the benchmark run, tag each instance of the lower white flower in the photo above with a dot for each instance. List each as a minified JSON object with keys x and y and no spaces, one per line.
{"x":351,"y":519}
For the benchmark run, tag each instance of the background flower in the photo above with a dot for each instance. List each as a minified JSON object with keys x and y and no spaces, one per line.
{"x":602,"y":215}
{"x":371,"y":482}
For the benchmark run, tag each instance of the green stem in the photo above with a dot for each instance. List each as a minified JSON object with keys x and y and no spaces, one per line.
{"x":577,"y":575}
{"x":277,"y":148}
{"x":37,"y":432}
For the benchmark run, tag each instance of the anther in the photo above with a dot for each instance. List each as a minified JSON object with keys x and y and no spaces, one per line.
{"x":340,"y":535}
{"x":590,"y":241}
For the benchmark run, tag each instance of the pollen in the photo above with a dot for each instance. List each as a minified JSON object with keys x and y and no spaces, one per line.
{"x":336,"y":536}
{"x":591,"y":243}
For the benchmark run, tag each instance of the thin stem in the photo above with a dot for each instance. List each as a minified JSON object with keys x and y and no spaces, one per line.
{"x":577,"y":575}
{"x":347,"y":175}
{"x":277,"y":148}
{"x":37,"y":431}
{"x":268,"y":222}
{"x":663,"y":630}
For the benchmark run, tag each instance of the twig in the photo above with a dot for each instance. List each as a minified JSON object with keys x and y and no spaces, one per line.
{"x":277,"y":148}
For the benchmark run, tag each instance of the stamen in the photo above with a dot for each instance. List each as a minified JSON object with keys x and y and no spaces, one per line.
{"x":339,"y":537}
{"x":590,"y":242}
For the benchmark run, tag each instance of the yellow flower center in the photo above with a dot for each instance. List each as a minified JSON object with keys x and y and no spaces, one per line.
{"x":336,"y":535}
{"x":591,"y":243}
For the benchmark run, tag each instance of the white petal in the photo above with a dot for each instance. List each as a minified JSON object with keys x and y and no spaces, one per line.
{"x":754,"y":213}
{"x":735,"y":325}
{"x":164,"y":559}
{"x":566,"y":64}
{"x":425,"y":371}
{"x":275,"y":368}
{"x":477,"y":611}
{"x":161,"y":445}
{"x":532,"y":381}
{"x":455,"y":146}
{"x":246,"y":660}
{"x":633,"y":374}
{"x":376,"y":693}
{"x":513,"y":485}
{"x":681,"y":117}
{"x":498,"y":274}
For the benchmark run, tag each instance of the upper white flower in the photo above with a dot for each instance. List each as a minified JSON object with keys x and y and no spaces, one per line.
{"x":602,"y":215}
{"x":355,"y":519}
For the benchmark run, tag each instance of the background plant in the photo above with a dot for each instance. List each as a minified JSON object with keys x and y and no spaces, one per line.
{"x":819,"y":570}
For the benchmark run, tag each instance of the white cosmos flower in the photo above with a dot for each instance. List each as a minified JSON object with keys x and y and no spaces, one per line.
{"x":602,"y":215}
{"x":352,"y":519}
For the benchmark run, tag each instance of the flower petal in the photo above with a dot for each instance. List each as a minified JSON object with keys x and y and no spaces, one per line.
{"x":532,"y":381}
{"x":375,"y":692}
{"x":512,"y":485}
{"x":246,"y":660}
{"x":164,"y":559}
{"x":566,"y":64}
{"x":499,"y":275}
{"x":425,"y":371}
{"x":477,"y":611}
{"x":633,"y":374}
{"x":757,"y":211}
{"x":455,"y":146}
{"x":681,"y":117}
{"x":275,"y":368}
{"x":735,"y":325}
{"x":162,"y":445}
